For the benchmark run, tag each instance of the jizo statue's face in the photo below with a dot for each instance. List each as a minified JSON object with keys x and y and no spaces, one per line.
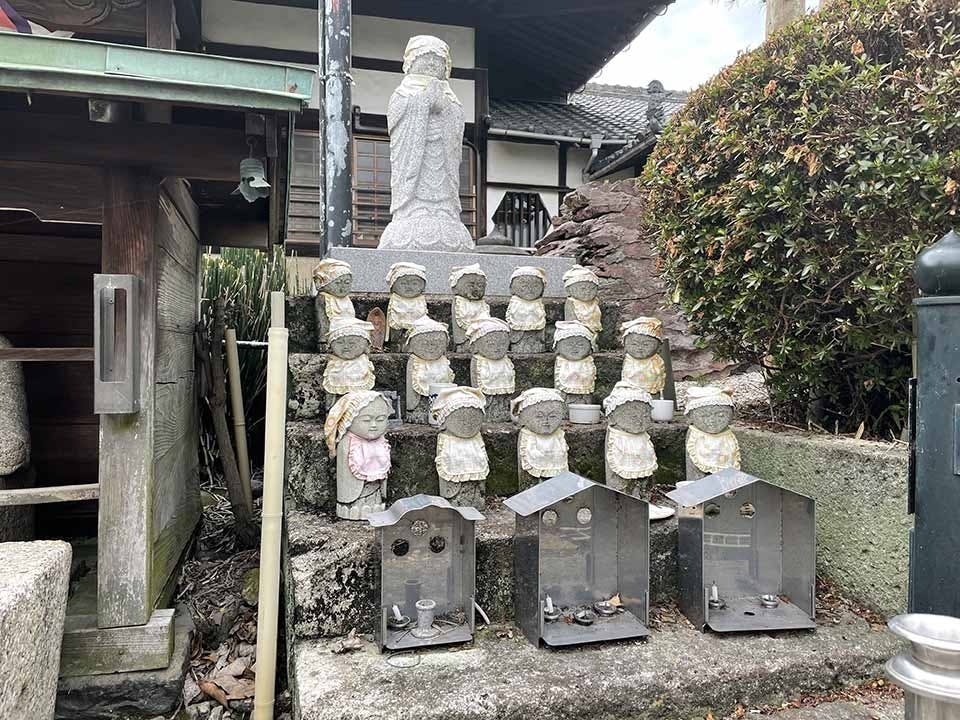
{"x":632,"y":417}
{"x":712,"y":418}
{"x":527,"y":287}
{"x":471,"y":287}
{"x":584,"y":291}
{"x":409,"y":286}
{"x":430,"y":64}
{"x":544,"y":418}
{"x":494,"y":345}
{"x":350,"y":347}
{"x":372,"y":421}
{"x":574,"y":348}
{"x":464,"y":423}
{"x":641,"y":346}
{"x":428,"y":346}
{"x":339,"y":286}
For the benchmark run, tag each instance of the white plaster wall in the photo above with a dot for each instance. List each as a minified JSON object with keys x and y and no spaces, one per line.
{"x":372,"y":90}
{"x":528,"y":164}
{"x":261,"y":25}
{"x":386,"y":39}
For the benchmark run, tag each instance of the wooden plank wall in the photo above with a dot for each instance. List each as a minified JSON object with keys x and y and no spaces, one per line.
{"x":46,"y":272}
{"x":176,"y":499}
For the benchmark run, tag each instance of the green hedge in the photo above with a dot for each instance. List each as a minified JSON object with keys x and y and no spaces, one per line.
{"x":791,"y":195}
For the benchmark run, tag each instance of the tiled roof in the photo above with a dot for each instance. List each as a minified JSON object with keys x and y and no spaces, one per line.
{"x":616,"y":111}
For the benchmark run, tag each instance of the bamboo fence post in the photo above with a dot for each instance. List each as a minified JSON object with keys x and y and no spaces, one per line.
{"x":239,"y":420}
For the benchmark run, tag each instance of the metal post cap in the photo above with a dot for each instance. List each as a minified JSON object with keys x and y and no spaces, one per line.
{"x":937,"y":269}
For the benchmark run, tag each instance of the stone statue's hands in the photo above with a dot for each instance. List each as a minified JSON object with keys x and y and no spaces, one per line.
{"x":435,"y":93}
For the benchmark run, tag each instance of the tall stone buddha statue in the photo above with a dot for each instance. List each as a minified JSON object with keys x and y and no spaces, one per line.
{"x":426,"y":121}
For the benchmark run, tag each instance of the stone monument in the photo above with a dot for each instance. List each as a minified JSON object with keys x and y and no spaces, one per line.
{"x":574,"y":371}
{"x":542,"y":446}
{"x":333,"y":280}
{"x":354,"y":431}
{"x":462,"y":464}
{"x":407,"y":304}
{"x":711,"y":445}
{"x":491,"y":371}
{"x":582,"y":287}
{"x":425,"y":120}
{"x":348,"y":362}
{"x":469,"y":285}
{"x":428,"y":364}
{"x":643,"y":365}
{"x":526,"y":315}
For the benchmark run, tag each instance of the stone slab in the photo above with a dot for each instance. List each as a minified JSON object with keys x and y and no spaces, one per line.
{"x":861,"y":491}
{"x":332,"y":581}
{"x":678,"y":674}
{"x":306,"y":397}
{"x":301,"y":319}
{"x":890,"y":710}
{"x":370,"y":268}
{"x":311,"y":475}
{"x":131,"y":695}
{"x":34,"y":581}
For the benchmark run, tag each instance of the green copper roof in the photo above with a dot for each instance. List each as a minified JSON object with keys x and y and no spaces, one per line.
{"x":94,"y":69}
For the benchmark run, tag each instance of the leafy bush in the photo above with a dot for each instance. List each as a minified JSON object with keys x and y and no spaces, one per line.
{"x":244,"y":279}
{"x":791,"y":195}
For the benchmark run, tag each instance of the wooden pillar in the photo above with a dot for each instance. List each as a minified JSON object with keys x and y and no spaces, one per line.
{"x":783,"y":12}
{"x":125,"y":537}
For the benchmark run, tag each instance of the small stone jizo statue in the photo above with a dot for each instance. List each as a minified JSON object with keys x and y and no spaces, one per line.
{"x":542,"y":446}
{"x":582,"y":287}
{"x":355,"y":433}
{"x":642,"y":363}
{"x":406,"y":281}
{"x":630,"y":455}
{"x":462,"y":463}
{"x":469,"y":285}
{"x":711,"y":444}
{"x":333,"y":280}
{"x":348,"y":363}
{"x":574,"y":371}
{"x":428,"y":364}
{"x":526,"y":315}
{"x":425,"y":120}
{"x":491,"y":371}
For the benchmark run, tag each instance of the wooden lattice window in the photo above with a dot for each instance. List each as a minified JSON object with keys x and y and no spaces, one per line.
{"x":522,"y":217}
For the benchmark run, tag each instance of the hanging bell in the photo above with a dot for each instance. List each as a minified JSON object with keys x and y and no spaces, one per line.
{"x":253,"y":184}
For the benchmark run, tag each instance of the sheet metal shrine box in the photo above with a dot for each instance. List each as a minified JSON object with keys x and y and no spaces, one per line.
{"x":582,"y":562}
{"x":747,"y":554}
{"x":428,"y":573}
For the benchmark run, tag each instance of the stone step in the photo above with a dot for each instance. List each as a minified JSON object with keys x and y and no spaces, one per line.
{"x":311,"y":474}
{"x":301,"y":320}
{"x":678,"y":674}
{"x":307,"y":398}
{"x":332,"y":579}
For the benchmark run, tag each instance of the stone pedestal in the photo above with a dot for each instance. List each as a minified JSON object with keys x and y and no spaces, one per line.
{"x":34,"y":579}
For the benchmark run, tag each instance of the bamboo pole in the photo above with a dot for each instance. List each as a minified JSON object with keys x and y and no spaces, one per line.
{"x":268,"y":607}
{"x":239,"y":421}
{"x":277,"y":309}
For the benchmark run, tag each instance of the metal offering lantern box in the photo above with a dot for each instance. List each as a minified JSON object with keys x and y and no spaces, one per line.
{"x":427,"y":572}
{"x":747,"y":554}
{"x":582,"y":562}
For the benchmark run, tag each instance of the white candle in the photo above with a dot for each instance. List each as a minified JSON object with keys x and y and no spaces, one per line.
{"x":714,"y":593}
{"x":397,"y":615}
{"x":549,"y":604}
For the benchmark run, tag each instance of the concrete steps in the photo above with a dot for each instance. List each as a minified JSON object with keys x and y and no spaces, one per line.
{"x":301,"y":320}
{"x":677,"y":674}
{"x":311,"y":475}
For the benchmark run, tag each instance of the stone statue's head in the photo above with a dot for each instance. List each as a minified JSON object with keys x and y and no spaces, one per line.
{"x":371,"y":422}
{"x":573,"y":348}
{"x":584,"y":291}
{"x":464,"y":422}
{"x":709,"y":408}
{"x":427,"y":55}
{"x":493,"y":345}
{"x":543,"y":418}
{"x":641,"y":346}
{"x":428,"y":345}
{"x":349,"y":347}
{"x":338,"y":286}
{"x":632,"y":417}
{"x":471,"y":286}
{"x":408,"y":286}
{"x":527,"y":287}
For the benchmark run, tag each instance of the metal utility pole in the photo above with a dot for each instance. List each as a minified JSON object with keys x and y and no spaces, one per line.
{"x":783,"y":12}
{"x":337,"y":157}
{"x":935,"y":450}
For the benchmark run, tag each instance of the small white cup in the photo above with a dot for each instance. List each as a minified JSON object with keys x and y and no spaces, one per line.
{"x":662,"y":410}
{"x":584,"y":414}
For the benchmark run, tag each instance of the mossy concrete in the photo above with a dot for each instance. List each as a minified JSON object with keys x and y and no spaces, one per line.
{"x":332,"y":577}
{"x":861,"y":493}
{"x":311,"y":475}
{"x":678,"y":674}
{"x":303,"y":332}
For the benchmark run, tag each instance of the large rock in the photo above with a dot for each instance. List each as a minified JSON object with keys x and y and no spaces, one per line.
{"x":14,"y":424}
{"x":600,"y":224}
{"x":311,"y":475}
{"x":34,"y":580}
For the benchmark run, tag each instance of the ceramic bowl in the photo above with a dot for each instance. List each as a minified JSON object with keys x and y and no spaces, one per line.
{"x":662,"y":410}
{"x":584,"y":414}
